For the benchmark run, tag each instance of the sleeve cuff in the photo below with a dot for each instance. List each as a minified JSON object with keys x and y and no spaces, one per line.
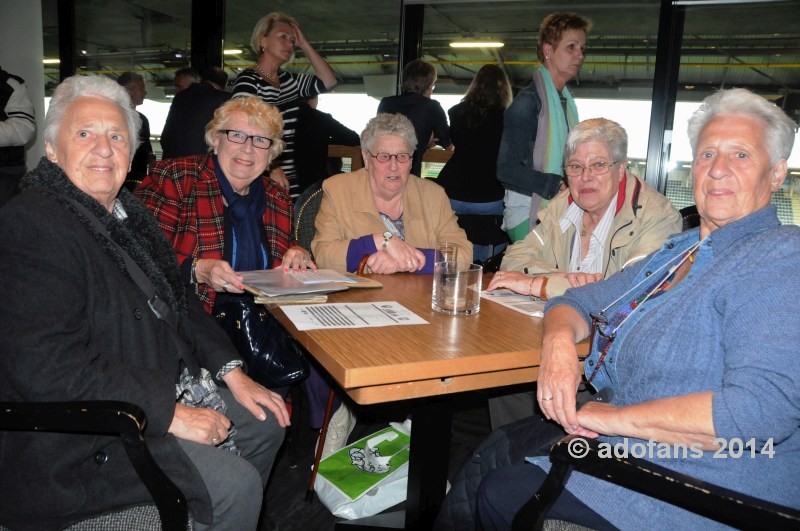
{"x":228,"y":367}
{"x":357,"y":249}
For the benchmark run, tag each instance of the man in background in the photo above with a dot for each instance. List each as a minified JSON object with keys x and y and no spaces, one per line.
{"x":144,"y":156}
{"x":185,"y":78}
{"x":315,"y":131}
{"x":415,"y":103}
{"x":17,"y":128}
{"x":191,"y":110}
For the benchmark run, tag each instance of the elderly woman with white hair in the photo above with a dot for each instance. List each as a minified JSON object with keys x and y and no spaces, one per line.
{"x":384,"y":216}
{"x":95,"y":309}
{"x":604,"y":221}
{"x":382,"y":211}
{"x":697,"y":342}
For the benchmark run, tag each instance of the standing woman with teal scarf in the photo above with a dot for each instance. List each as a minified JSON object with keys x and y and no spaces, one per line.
{"x":530,"y":160}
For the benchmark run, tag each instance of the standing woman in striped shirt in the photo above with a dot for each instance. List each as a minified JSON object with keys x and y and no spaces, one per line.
{"x":274,"y":39}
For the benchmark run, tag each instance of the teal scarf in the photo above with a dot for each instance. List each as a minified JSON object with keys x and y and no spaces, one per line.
{"x":549,"y":156}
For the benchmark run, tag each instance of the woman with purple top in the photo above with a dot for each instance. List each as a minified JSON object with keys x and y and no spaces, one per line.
{"x":380,"y":212}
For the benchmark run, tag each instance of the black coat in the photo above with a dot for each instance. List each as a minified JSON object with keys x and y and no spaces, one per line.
{"x":76,"y":327}
{"x":314,"y":132}
{"x":185,"y":128}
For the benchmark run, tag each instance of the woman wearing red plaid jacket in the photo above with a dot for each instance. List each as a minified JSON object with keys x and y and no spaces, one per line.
{"x":220,"y":211}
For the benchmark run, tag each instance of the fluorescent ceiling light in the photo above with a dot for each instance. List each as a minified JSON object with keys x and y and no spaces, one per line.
{"x":476,"y":44}
{"x":231,"y":52}
{"x":51,"y":61}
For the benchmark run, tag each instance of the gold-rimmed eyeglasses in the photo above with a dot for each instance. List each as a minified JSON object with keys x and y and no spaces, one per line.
{"x":598,"y":168}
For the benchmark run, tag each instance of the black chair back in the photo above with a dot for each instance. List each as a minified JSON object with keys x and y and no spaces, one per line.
{"x":305,"y":213}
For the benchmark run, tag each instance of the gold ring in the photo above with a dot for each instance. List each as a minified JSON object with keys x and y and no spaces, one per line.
{"x":546,"y":399}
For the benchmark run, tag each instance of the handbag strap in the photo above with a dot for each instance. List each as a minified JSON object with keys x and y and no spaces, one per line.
{"x":158,"y":306}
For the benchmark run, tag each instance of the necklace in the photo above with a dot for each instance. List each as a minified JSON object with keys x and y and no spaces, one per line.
{"x":264,"y":73}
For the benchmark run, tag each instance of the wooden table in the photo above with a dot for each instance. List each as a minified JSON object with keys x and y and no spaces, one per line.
{"x":452,"y":354}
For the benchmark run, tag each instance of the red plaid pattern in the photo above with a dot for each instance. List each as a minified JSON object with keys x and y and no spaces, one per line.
{"x":184,"y":196}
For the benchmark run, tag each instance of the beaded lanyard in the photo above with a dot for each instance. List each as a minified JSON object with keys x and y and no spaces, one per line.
{"x":607,"y":328}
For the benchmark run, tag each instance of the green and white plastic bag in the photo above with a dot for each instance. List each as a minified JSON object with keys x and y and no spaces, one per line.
{"x":368,"y":476}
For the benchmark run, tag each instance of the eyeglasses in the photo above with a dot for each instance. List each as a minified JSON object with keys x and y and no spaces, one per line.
{"x":238,"y":137}
{"x":383,"y":158}
{"x":598,"y":168}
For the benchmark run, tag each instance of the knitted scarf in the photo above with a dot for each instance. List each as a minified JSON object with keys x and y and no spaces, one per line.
{"x":138,"y":235}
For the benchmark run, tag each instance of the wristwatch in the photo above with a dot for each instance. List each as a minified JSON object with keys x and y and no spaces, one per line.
{"x":386,"y":237}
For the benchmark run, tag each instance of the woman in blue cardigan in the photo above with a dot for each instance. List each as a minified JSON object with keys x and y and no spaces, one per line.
{"x":698,"y":342}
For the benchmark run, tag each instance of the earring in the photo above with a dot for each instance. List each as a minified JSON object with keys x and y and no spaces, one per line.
{"x":262,"y":49}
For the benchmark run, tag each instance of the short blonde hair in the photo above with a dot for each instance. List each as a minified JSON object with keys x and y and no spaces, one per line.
{"x":259,"y":114}
{"x":266,"y":25}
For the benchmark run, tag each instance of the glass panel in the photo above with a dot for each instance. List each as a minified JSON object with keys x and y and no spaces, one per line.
{"x":617,"y":74}
{"x":743,"y":45}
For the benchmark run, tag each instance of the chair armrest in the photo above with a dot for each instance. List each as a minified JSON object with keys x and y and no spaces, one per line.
{"x":106,"y":418}
{"x":706,"y":499}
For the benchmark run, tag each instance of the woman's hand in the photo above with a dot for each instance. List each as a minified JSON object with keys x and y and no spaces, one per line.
{"x":279,"y":177}
{"x":255,"y":397}
{"x":299,"y":39}
{"x":406,"y":257}
{"x":199,"y":424}
{"x":560,"y":371}
{"x":581,"y":279}
{"x":517,"y":282}
{"x":298,"y":259}
{"x":219,"y":275}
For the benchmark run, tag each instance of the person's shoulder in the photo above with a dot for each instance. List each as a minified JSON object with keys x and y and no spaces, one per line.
{"x":246,"y":74}
{"x":387,"y":103}
{"x":555,"y":207}
{"x":34,"y":206}
{"x":426,"y":187}
{"x":275,"y":191}
{"x":344,"y":181}
{"x":181,"y":167}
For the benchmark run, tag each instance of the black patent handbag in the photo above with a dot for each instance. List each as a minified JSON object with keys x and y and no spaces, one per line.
{"x":273,"y":357}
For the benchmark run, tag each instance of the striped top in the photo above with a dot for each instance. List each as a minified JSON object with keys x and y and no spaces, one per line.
{"x":285,"y":98}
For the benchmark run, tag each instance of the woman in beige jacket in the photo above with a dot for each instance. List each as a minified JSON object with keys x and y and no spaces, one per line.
{"x":604,"y":221}
{"x":382,"y":211}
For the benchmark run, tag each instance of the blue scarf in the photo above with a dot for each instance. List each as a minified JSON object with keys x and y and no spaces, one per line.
{"x":244,"y":215}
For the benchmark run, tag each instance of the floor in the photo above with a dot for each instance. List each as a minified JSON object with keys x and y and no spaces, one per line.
{"x":285,"y":498}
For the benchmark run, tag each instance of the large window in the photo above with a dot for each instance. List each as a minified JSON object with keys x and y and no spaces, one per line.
{"x":753,"y":45}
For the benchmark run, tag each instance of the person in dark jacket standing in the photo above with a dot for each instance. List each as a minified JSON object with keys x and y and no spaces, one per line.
{"x":144,"y":156}
{"x":415,"y":103}
{"x":315,"y":131}
{"x":17,"y":128}
{"x":191,"y":110}
{"x":476,"y":125}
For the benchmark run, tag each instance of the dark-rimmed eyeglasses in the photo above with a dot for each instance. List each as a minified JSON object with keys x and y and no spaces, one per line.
{"x":383,"y":158}
{"x":598,"y":168}
{"x":238,"y":137}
